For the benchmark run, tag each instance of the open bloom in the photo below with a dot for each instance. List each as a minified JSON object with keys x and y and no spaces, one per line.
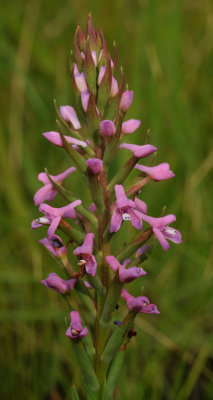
{"x":84,"y":252}
{"x":162,"y":230}
{"x":58,"y":284}
{"x":125,"y":211}
{"x":157,"y":173}
{"x":53,"y":216}
{"x":75,"y":330}
{"x":125,"y":275}
{"x":139,"y":304}
{"x":139,"y":151}
{"x":48,"y":192}
{"x":55,"y":245}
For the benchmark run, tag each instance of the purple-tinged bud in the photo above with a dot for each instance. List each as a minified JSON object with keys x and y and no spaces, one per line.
{"x":130,"y":126}
{"x":107,"y":128}
{"x":55,"y":138}
{"x":69,"y":115}
{"x":114,"y":87}
{"x":95,"y":165}
{"x":94,"y":56}
{"x":85,"y":100}
{"x":75,"y":331}
{"x":157,"y":173}
{"x":80,"y":79}
{"x":139,"y":151}
{"x":58,"y":284}
{"x":126,"y":100}
{"x":101,"y":74}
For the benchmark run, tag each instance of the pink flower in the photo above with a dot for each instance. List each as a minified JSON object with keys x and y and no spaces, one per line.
{"x":125,"y":211}
{"x":53,"y":216}
{"x":130,"y":126}
{"x":55,"y":245}
{"x":107,"y":128}
{"x":55,"y":138}
{"x":48,"y":192}
{"x":95,"y":165}
{"x":85,"y":254}
{"x":139,"y":304}
{"x":58,"y":284}
{"x":69,"y":115}
{"x":157,"y":173}
{"x":75,"y":331}
{"x":126,"y":100}
{"x":139,"y":151}
{"x":162,"y":230}
{"x":125,"y":275}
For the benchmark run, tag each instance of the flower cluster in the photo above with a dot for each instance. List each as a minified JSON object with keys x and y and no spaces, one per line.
{"x":92,"y":136}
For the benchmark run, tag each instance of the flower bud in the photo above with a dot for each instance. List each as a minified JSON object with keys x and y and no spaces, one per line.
{"x":95,"y":165}
{"x":107,"y":128}
{"x":126,"y":100}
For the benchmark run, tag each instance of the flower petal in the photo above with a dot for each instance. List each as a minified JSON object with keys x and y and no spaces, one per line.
{"x":116,"y":220}
{"x":130,"y":126}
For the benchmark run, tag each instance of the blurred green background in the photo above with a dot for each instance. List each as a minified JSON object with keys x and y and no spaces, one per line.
{"x":165,"y":48}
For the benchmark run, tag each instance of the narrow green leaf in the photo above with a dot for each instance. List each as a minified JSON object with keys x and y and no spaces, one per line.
{"x":111,"y":299}
{"x":74,"y":394}
{"x":87,"y":371}
{"x":113,"y":375}
{"x":115,"y":341}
